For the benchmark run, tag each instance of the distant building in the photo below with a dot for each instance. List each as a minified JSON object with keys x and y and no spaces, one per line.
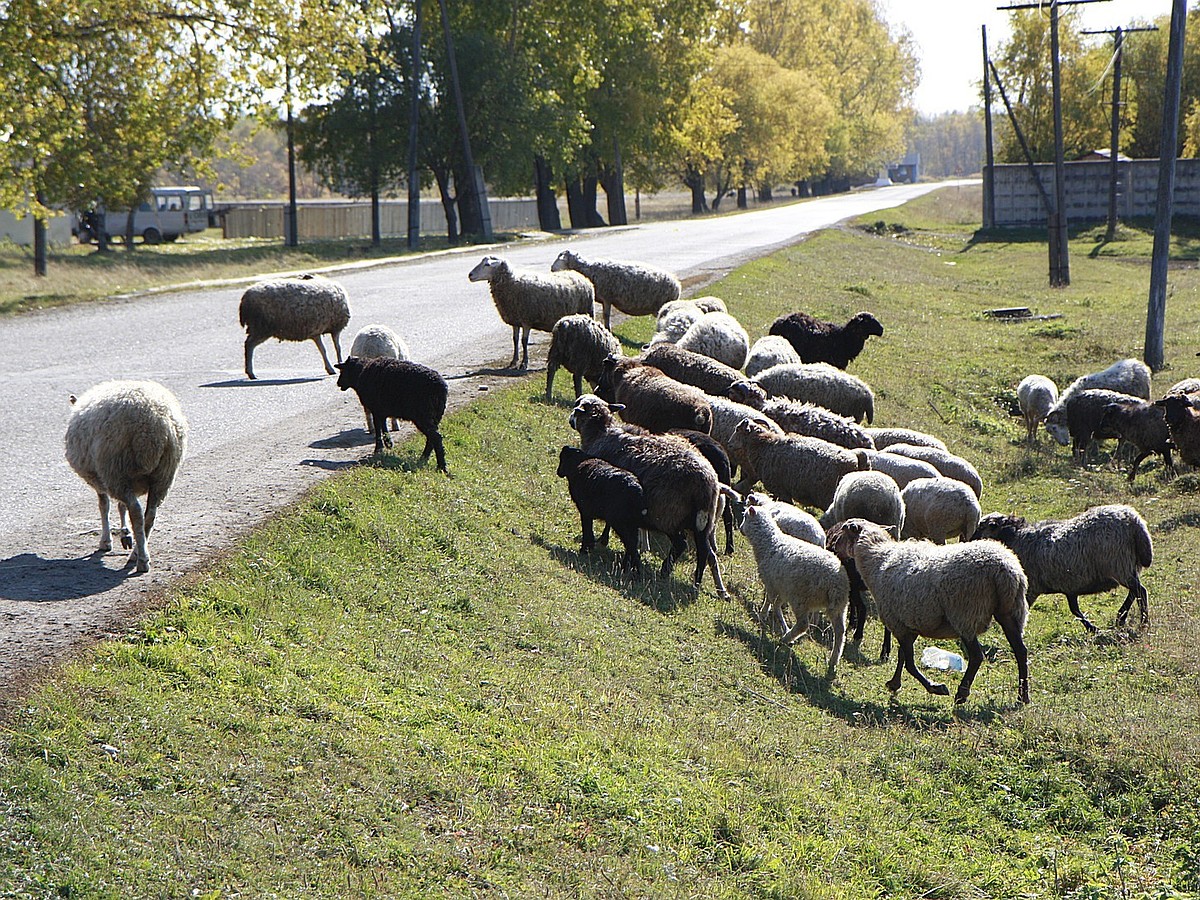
{"x":1103,"y":154}
{"x":907,"y":171}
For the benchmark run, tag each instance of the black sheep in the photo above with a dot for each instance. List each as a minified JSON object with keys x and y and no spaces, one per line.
{"x":817,"y":341}
{"x":600,"y":490}
{"x":402,"y":390}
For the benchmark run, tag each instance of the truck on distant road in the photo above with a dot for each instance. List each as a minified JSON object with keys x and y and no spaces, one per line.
{"x":169,"y":213}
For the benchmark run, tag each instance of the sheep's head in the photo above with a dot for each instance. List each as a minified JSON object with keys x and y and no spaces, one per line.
{"x":612,"y":371}
{"x":1177,"y":408}
{"x":843,"y":538}
{"x":488,"y":267}
{"x":568,"y":259}
{"x":865,"y":324}
{"x":747,"y":393}
{"x":998,"y":527}
{"x":1056,"y":426}
{"x":569,"y":459}
{"x":349,"y":372}
{"x":592,"y":412}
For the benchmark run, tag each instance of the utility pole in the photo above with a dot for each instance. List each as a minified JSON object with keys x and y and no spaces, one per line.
{"x":414,"y":113}
{"x":1060,"y":263}
{"x":1157,"y":308}
{"x":290,"y":237}
{"x":1119,"y":35}
{"x":989,"y":173}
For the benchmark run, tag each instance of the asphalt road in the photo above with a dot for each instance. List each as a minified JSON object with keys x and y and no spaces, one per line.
{"x":254,"y":447}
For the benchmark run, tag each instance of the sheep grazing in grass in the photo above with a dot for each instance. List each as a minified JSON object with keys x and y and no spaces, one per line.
{"x":579,"y":344}
{"x":727,"y":415}
{"x":1097,"y":550}
{"x":803,"y":418}
{"x":1141,"y":425}
{"x":681,"y":487}
{"x":678,"y":316}
{"x":696,"y":369}
{"x":815,"y":341}
{"x":939,"y":508}
{"x":771,"y":350}
{"x":377,"y":342}
{"x":125,"y":439}
{"x":808,"y":578}
{"x":651,"y":399}
{"x":866,"y":495}
{"x":600,"y":490}
{"x":885,"y":437}
{"x":940,"y":592}
{"x":712,"y":451}
{"x":790,"y":518}
{"x":946,"y":463}
{"x":717,"y":335}
{"x":901,"y":469}
{"x":294,"y":309}
{"x":793,"y":468}
{"x":403,"y":390}
{"x":1077,"y":421}
{"x":1125,"y":376}
{"x":635,"y":289}
{"x":1183,"y":420}
{"x":822,"y":384}
{"x":532,"y":301}
{"x":1036,"y":396}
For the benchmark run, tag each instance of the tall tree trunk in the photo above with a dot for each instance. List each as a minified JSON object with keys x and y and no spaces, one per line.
{"x":694,"y":179}
{"x":764,"y":194}
{"x":547,"y":204}
{"x":742,"y":201}
{"x":442,"y":176}
{"x":614,"y":188}
{"x":591,"y":194}
{"x":414,"y":112}
{"x":376,"y":231}
{"x":576,"y":207}
{"x":469,"y":210}
{"x":39,"y":243}
{"x":473,"y":202}
{"x":290,"y":231}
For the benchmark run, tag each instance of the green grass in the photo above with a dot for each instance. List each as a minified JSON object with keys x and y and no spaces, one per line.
{"x":413,"y":686}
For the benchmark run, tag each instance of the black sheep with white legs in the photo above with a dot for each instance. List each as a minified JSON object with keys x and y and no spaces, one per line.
{"x":402,"y":390}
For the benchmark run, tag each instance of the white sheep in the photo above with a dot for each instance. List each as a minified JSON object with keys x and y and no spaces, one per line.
{"x":636,"y":289}
{"x":946,"y":463}
{"x":941,"y":592}
{"x":938,"y":508}
{"x":822,"y":384}
{"x":868,"y":495}
{"x":720,"y":336}
{"x":808,"y":578}
{"x":532,"y":301}
{"x":884,"y":437}
{"x":791,"y":519}
{"x":1036,"y":396}
{"x":378,"y":342}
{"x":900,"y":469}
{"x":676,"y":317}
{"x":294,"y":309}
{"x":127,"y":438}
{"x":579,"y":344}
{"x":1125,"y":376}
{"x":772,"y":350}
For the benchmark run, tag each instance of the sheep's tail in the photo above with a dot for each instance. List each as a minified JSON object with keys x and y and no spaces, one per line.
{"x":1142,"y":545}
{"x":1011,"y":587}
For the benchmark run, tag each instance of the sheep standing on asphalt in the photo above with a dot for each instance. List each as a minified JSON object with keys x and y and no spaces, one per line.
{"x":1097,"y":550}
{"x":401,"y":389}
{"x":579,"y":344}
{"x":532,"y":301}
{"x":377,"y":342}
{"x":1036,"y":396}
{"x":816,"y":341}
{"x":294,"y":309}
{"x":127,"y":438}
{"x":955,"y":591}
{"x":603,"y":491}
{"x":635,"y":289}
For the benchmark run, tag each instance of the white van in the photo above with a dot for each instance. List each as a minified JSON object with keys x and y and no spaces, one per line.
{"x":170,"y":212}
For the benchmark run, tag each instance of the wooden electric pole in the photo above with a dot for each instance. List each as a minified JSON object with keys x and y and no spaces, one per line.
{"x":989,"y":172}
{"x":414,"y":116}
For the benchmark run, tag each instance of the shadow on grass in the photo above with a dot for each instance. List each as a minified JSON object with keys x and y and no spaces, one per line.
{"x":1185,"y":520}
{"x":33,"y":578}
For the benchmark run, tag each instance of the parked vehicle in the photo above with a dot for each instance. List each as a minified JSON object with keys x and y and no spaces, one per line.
{"x":170,"y":212}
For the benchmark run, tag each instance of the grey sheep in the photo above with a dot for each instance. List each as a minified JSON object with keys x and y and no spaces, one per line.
{"x":726,"y":416}
{"x":947,"y":464}
{"x":720,"y":336}
{"x":822,"y":384}
{"x":1097,"y":550}
{"x":1078,"y":419}
{"x":125,"y":439}
{"x":901,"y":469}
{"x":866,"y":495}
{"x":793,"y":468}
{"x":294,"y":309}
{"x":1036,"y":396}
{"x":579,"y":344}
{"x":939,"y":508}
{"x":692,"y":368}
{"x":651,"y":399}
{"x":884,"y":437}
{"x":771,"y":350}
{"x":940,"y":592}
{"x":1141,"y":425}
{"x":636,"y":289}
{"x":678,"y":316}
{"x":378,"y":342}
{"x":680,"y":485}
{"x":808,"y":419}
{"x":808,"y":578}
{"x":532,"y":301}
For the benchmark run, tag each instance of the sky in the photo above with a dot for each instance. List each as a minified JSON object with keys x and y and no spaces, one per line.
{"x":950,"y":44}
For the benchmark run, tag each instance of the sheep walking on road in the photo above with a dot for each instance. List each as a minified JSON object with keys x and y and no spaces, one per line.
{"x":294,"y":309}
{"x":403,"y":390}
{"x":635,"y":289}
{"x":125,"y":439}
{"x":579,"y":344}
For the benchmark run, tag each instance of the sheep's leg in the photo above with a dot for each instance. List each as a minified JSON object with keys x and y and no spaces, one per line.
{"x":1137,"y":462}
{"x":370,"y":421}
{"x":678,"y":547}
{"x":588,"y":543}
{"x":152,"y":502}
{"x":604,"y":535}
{"x":798,"y":630}
{"x":910,"y":664}
{"x":433,"y":444}
{"x":525,"y":348}
{"x":857,"y":613}
{"x":1016,"y":640}
{"x":886,"y":649}
{"x":512,"y":363}
{"x":974,"y":661}
{"x":608,"y":314}
{"x":893,"y":685}
{"x":631,"y":559}
{"x":1073,"y":602}
{"x":139,"y":557}
{"x":578,"y":385}
{"x":551,"y":368}
{"x":105,"y":530}
{"x":706,"y":555}
{"x":837,"y":615}
{"x":251,"y":343}
{"x":337,"y":347}
{"x":727,"y":515}
{"x":1136,"y":591}
{"x":381,"y":434}
{"x":325,"y":359}
{"x":126,"y":540}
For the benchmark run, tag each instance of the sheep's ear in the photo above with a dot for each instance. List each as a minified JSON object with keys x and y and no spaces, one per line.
{"x":338,"y":365}
{"x":71,"y":398}
{"x":616,"y":407}
{"x":751,"y":511}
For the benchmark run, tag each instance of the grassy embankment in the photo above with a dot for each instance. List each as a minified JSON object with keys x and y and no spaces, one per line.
{"x":413,"y":686}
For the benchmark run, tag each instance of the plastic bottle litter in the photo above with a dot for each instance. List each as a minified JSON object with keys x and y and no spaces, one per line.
{"x":937,"y":658}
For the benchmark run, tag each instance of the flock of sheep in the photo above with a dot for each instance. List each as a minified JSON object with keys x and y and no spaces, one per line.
{"x":676,"y":439}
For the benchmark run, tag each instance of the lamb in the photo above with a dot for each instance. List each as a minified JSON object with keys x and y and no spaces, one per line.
{"x":900,"y":469}
{"x":938,"y":508}
{"x":692,"y":368}
{"x":771,"y":350}
{"x":125,"y":439}
{"x":579,"y":344}
{"x":680,"y":485}
{"x":651,"y":399}
{"x":1095,"y":551}
{"x":635,"y":289}
{"x":1036,"y":396}
{"x":866,"y":495}
{"x":1078,"y":419}
{"x":790,"y":518}
{"x":794,"y":468}
{"x":803,"y":418}
{"x":1183,"y":419}
{"x":532,"y":301}
{"x":822,"y":384}
{"x":816,"y":341}
{"x":603,"y":491}
{"x":294,"y":309}
{"x":403,"y":390}
{"x":712,"y":451}
{"x":373,"y":342}
{"x":885,"y":437}
{"x":952,"y":591}
{"x":717,"y":335}
{"x":946,"y":463}
{"x":808,"y":578}
{"x":1141,"y":425}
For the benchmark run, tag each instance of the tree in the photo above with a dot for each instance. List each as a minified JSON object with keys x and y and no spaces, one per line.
{"x":949,"y":144}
